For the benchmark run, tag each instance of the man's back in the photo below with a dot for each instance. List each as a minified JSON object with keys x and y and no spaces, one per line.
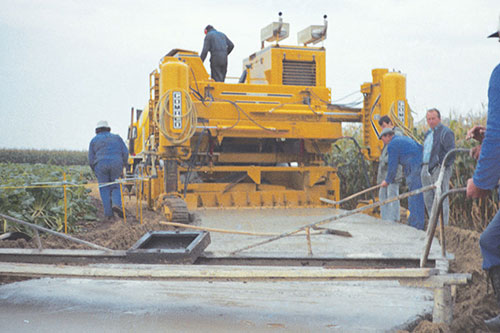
{"x":405,"y":149}
{"x":107,"y":146}
{"x":216,"y":42}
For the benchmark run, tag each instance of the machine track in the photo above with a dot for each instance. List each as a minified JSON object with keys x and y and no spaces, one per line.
{"x":176,"y":209}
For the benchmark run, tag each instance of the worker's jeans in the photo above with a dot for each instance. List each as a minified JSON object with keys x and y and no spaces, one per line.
{"x":416,"y":204}
{"x":430,"y":179}
{"x":106,"y":172}
{"x":490,"y":243}
{"x":389,"y":211}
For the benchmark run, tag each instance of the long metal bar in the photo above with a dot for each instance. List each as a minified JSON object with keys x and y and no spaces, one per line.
{"x":86,"y":257}
{"x":435,"y":206}
{"x":331,"y":202}
{"x":55,"y":233}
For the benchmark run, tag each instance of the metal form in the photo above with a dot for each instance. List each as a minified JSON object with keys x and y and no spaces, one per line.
{"x":256,"y":143}
{"x":87,"y":257}
{"x":169,"y":246}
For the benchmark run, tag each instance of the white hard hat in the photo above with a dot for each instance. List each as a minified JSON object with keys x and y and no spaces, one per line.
{"x":496,"y":33}
{"x":385,"y":131}
{"x":101,"y":124}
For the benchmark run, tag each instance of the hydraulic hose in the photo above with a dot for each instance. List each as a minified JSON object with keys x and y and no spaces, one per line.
{"x":163,"y":112}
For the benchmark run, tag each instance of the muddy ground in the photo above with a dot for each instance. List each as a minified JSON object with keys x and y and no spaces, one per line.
{"x":473,"y":303}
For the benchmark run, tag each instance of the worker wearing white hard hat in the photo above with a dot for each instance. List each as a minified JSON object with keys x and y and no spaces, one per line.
{"x":486,"y":177}
{"x":102,"y":124}
{"x":107,"y":157}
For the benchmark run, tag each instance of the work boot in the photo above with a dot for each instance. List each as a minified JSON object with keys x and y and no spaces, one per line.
{"x":493,"y":324}
{"x":118,"y":211}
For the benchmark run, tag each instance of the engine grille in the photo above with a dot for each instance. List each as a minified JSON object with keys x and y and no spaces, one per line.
{"x":299,"y":73}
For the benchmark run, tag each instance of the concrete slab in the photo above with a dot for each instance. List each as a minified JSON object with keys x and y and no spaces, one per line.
{"x":80,"y":305}
{"x":371,"y":237}
{"x":341,"y":306}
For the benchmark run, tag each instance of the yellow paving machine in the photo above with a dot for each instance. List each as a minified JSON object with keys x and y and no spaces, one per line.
{"x":259,"y":142}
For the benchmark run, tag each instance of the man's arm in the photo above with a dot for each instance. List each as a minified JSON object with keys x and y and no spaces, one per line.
{"x":487,"y":173}
{"x":124,"y":152}
{"x":230,"y":45}
{"x":206,"y":48}
{"x":392,"y":165}
{"x":91,"y":155}
{"x":449,"y":144}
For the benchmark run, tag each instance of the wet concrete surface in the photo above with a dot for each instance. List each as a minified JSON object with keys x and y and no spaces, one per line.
{"x":371,"y":237}
{"x":81,"y":305}
{"x":85,"y":305}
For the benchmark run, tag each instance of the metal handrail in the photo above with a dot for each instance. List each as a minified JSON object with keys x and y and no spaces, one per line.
{"x":437,"y":207}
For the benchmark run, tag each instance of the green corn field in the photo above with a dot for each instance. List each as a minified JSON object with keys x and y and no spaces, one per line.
{"x":52,"y":157}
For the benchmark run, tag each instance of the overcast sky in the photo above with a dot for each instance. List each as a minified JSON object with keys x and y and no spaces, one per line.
{"x":66,"y":64}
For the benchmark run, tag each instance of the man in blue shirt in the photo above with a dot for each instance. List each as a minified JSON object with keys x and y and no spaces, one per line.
{"x":390,"y":211}
{"x":439,"y":140}
{"x":219,"y":46}
{"x":405,"y":151}
{"x":486,"y":177}
{"x":107,"y":156}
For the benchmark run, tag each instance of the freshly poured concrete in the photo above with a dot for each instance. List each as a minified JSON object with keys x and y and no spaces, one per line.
{"x":74,"y":305}
{"x":82,"y":305}
{"x":371,"y":237}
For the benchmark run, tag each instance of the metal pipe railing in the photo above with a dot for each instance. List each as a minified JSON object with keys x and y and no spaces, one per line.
{"x":437,"y":207}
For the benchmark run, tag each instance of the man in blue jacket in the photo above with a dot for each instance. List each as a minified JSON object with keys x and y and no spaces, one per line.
{"x":486,"y":177}
{"x":439,"y":140}
{"x":390,"y":211}
{"x":107,"y":156}
{"x":405,"y":151}
{"x":219,"y":46}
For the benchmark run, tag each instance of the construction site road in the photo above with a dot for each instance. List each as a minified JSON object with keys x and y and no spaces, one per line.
{"x":83,"y":305}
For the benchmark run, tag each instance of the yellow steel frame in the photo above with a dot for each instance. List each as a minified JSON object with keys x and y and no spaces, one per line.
{"x":263,"y":107}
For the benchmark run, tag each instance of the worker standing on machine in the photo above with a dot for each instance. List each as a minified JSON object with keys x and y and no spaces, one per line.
{"x":439,"y":140}
{"x":390,"y":211}
{"x":407,"y":152}
{"x":486,"y":177}
{"x":107,"y":156}
{"x":219,"y":47}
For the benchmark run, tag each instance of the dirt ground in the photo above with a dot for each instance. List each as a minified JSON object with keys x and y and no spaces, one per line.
{"x":473,"y":303}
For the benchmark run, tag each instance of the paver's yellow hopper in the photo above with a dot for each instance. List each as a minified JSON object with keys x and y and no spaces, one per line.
{"x":256,"y":143}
